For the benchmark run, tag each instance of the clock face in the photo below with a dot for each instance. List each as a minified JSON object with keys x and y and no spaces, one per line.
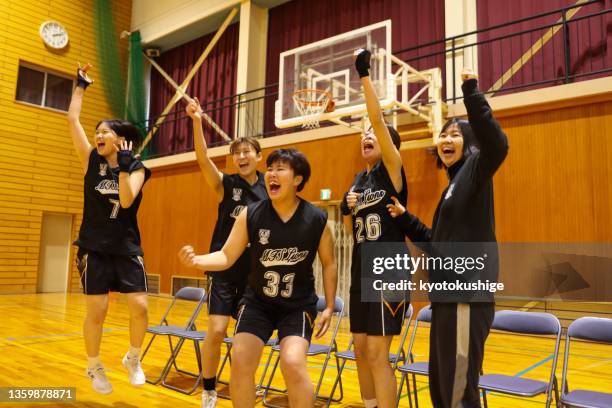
{"x":54,"y":34}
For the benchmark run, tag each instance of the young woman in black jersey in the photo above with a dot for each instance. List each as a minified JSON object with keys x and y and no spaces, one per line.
{"x":471,"y":151}
{"x":373,"y":324}
{"x":285,"y":233}
{"x":233,"y":192}
{"x":110,"y":255}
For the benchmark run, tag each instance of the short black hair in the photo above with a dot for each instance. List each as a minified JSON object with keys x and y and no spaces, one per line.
{"x":249,"y":140}
{"x":296,"y":159}
{"x":470,"y":144}
{"x":124,"y":129}
{"x":397,"y":140}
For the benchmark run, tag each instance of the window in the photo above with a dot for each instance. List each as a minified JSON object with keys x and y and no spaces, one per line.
{"x":44,"y":89}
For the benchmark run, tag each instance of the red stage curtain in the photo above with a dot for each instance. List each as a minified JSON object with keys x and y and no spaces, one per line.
{"x":589,"y":42}
{"x":215,"y":79}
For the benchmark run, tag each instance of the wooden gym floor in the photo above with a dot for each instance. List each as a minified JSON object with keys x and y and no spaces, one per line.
{"x":41,"y":345}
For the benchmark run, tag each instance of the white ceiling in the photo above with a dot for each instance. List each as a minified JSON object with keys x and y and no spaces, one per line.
{"x":202,"y":27}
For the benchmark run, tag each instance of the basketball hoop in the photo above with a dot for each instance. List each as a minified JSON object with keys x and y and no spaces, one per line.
{"x":311,"y":103}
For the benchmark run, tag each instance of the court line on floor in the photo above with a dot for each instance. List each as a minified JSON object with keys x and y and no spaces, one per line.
{"x":70,"y":334}
{"x":111,"y":374}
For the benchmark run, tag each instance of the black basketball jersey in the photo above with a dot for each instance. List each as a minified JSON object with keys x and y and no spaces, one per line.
{"x":107,"y":227}
{"x":370,"y":216}
{"x":237,"y":194}
{"x":282,"y":254}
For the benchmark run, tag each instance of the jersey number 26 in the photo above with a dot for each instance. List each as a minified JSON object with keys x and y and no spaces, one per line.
{"x":371,"y":227}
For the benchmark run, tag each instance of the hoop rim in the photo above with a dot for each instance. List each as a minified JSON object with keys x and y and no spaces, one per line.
{"x":297,"y":95}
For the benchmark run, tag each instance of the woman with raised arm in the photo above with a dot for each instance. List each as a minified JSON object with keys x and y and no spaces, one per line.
{"x":110,"y":257}
{"x":463,"y":225}
{"x":233,"y":193}
{"x":373,"y":324}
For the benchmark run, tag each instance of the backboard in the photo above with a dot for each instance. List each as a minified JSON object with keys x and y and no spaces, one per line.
{"x":329,"y":65}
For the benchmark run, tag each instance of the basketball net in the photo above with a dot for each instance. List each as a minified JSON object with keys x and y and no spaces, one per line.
{"x":311,"y":103}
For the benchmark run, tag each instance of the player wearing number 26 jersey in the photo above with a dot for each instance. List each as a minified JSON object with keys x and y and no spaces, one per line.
{"x":372,"y":223}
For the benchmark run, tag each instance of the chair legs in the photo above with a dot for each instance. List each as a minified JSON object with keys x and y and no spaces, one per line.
{"x":404,"y":380}
{"x":337,"y":382}
{"x":327,"y":398}
{"x":268,"y":387}
{"x":168,"y":362}
{"x":484,"y":398}
{"x":197,"y":376}
{"x":226,"y":358}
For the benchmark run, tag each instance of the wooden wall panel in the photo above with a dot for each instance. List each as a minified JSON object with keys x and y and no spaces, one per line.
{"x":554,"y":185}
{"x":39,"y":168}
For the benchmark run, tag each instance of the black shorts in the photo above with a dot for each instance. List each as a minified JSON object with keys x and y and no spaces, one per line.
{"x":224,"y":296}
{"x":102,"y":273}
{"x":261,"y":319}
{"x":376,"y":318}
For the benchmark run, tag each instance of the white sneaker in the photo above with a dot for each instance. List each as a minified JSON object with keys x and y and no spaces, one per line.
{"x":137,"y":376}
{"x":209,"y":399}
{"x":99,"y":382}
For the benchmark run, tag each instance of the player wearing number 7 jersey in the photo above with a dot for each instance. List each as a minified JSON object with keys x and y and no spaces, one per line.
{"x":110,"y":256}
{"x":373,"y":324}
{"x":285,"y":233}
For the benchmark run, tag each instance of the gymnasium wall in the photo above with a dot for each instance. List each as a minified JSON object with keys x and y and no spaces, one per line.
{"x":39,"y":170}
{"x":552,"y":187}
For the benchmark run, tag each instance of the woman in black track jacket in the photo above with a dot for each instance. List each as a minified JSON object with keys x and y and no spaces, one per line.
{"x":471,"y":151}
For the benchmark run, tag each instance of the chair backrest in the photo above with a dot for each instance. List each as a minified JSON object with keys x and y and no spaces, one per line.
{"x":338,"y":304}
{"x":526,"y":322}
{"x":424,"y":316}
{"x":188,"y":294}
{"x":192,"y":294}
{"x":596,"y":329}
{"x":532,"y":323}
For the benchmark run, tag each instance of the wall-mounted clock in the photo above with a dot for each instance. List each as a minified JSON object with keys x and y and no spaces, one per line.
{"x":54,"y":34}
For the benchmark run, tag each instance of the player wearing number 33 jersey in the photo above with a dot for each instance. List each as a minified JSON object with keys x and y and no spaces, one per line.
{"x":285,"y":234}
{"x":282,"y":254}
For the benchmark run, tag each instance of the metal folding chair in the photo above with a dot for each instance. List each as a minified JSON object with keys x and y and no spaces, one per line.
{"x":349,"y":355}
{"x":590,"y":329}
{"x":164,"y":328}
{"x":313,"y":350}
{"x":411,"y":367}
{"x":530,"y":323}
{"x":196,"y":337}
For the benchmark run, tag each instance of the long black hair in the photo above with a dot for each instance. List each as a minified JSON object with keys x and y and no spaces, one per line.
{"x":124,"y":129}
{"x":470,"y":144}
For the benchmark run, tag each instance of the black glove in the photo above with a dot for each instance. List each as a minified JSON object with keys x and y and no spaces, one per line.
{"x":125,"y":159}
{"x":82,"y":80}
{"x":362,"y":63}
{"x":470,"y":87}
